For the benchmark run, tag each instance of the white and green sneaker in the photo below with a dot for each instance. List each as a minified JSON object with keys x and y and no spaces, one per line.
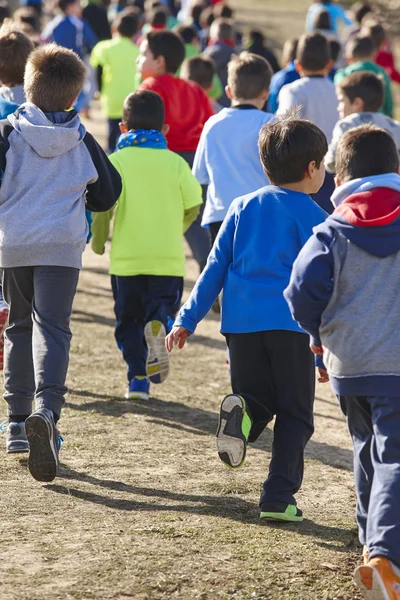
{"x":233,"y":431}
{"x":157,"y":365}
{"x":280,"y":511}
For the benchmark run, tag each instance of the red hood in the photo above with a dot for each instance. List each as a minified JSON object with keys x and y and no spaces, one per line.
{"x":375,"y":208}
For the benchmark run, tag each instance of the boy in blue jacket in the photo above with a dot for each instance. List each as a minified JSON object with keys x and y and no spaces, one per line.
{"x":272,"y":369}
{"x":344,"y":291}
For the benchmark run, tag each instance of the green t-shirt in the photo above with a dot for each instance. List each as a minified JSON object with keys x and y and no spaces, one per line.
{"x":158,"y":187}
{"x":387,"y":107}
{"x":117,"y":57}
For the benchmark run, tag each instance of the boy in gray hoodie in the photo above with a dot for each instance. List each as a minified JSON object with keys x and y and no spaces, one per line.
{"x":51,"y":169}
{"x":344,"y":290}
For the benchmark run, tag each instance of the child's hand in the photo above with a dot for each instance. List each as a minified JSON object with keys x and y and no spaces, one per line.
{"x":323,"y":375}
{"x":318,"y":350}
{"x":178,"y":336}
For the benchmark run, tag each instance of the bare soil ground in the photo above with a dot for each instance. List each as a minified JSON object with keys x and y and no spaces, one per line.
{"x":143,"y":508}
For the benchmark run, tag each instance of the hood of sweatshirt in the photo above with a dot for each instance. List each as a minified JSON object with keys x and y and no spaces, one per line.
{"x":369,"y":216}
{"x":48,"y":135}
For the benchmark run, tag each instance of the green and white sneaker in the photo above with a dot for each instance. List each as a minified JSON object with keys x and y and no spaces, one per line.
{"x":233,"y":431}
{"x":280,"y":511}
{"x":157,"y":365}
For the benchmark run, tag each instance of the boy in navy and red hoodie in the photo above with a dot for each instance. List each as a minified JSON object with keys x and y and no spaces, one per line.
{"x":187,"y":109}
{"x":344,"y":290}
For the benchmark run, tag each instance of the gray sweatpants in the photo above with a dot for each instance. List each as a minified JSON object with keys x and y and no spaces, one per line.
{"x":38,"y":337}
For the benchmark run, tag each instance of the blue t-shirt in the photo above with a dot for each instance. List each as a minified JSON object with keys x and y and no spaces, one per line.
{"x":281,"y":78}
{"x":252,"y":260}
{"x":227,"y":158}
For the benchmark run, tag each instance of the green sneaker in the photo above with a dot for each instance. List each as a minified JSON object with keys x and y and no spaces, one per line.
{"x":280,"y":511}
{"x":233,"y":431}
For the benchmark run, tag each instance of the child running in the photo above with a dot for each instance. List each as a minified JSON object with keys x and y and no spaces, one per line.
{"x":160,"y":200}
{"x":272,"y":368}
{"x":44,"y":231}
{"x":344,"y":292}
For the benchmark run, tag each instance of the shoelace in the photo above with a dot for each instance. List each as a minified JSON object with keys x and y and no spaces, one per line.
{"x":59,"y":442}
{"x":4,"y":425}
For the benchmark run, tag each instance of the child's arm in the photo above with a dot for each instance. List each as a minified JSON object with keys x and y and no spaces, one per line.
{"x":101,"y":194}
{"x":209,"y":284}
{"x":101,"y":230}
{"x":311,"y":283}
{"x":388,"y":104}
{"x":286,"y":101}
{"x":191,"y":195}
{"x":189,"y":217}
{"x":89,"y":36}
{"x":200,"y":170}
{"x":330,"y":158}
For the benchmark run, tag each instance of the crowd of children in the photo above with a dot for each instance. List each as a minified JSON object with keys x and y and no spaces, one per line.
{"x":209,"y":138}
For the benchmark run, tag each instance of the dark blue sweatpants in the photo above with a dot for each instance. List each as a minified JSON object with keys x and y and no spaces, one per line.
{"x":374,"y":425}
{"x":138,"y":300}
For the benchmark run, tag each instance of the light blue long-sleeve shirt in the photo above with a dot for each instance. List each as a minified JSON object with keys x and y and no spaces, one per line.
{"x":252,"y":261}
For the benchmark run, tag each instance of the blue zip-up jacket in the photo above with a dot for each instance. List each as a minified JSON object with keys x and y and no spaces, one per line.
{"x":251,"y":261}
{"x":70,"y":32}
{"x":344,"y":290}
{"x":281,"y":78}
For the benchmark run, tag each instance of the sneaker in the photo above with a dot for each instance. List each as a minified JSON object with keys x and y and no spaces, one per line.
{"x":233,"y":431}
{"x":44,"y":443}
{"x":158,"y":360}
{"x":16,"y":440}
{"x":138,"y":389}
{"x":280,"y":511}
{"x":378,"y":580}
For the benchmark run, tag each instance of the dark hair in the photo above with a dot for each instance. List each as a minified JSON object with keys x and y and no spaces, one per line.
{"x":249,"y":75}
{"x":289,"y":50}
{"x":223,"y":11}
{"x":288,"y":146}
{"x":169,"y":45}
{"x":376,"y":31}
{"x":360,"y":47}
{"x":4,"y":10}
{"x":29,"y":16}
{"x":334,"y":49}
{"x":207,"y":18}
{"x":323,"y":21}
{"x":200,"y":69}
{"x":187,"y":33}
{"x":366,"y":151}
{"x":223,"y":29}
{"x":365,"y":85}
{"x":360,"y":10}
{"x":127,"y":22}
{"x":158,"y":17}
{"x":54,"y":76}
{"x":313,"y":52}
{"x":15,"y":47}
{"x":63,"y":4}
{"x":196,"y":10}
{"x":143,"y":110}
{"x":256,"y":37}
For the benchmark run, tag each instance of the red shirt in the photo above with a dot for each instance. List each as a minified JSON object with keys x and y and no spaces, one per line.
{"x":385,"y":59}
{"x":187,"y":108}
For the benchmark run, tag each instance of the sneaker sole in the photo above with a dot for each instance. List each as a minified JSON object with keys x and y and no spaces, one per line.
{"x":231,"y":443}
{"x":157,"y":365}
{"x":42,"y":462}
{"x":266,"y":516}
{"x":136,"y":396}
{"x":370,"y":583}
{"x":18,"y":450}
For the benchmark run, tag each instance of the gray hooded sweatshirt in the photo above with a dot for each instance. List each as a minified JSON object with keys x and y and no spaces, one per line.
{"x":48,"y":170}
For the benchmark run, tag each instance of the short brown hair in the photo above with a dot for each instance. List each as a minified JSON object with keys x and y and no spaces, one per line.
{"x":289,"y":50}
{"x":360,"y":47}
{"x":144,"y":109}
{"x":15,"y":47}
{"x":200,"y":69}
{"x":365,"y":85}
{"x":127,"y":22}
{"x":376,"y":31}
{"x":54,"y":77}
{"x":169,"y":45}
{"x":249,"y":75}
{"x":360,"y":10}
{"x":288,"y":146}
{"x":366,"y":151}
{"x":222,"y":29}
{"x":313,"y":52}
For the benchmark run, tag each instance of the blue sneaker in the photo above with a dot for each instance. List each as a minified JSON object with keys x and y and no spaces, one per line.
{"x":138,"y":389}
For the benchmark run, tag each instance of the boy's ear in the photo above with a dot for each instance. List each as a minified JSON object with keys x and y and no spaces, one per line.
{"x":338,"y":183}
{"x":162,"y":65}
{"x":329,"y":66}
{"x":123,"y":128}
{"x":71,"y":104}
{"x":228,"y":92}
{"x":298,"y":66}
{"x":165,"y":129}
{"x":358,"y":104}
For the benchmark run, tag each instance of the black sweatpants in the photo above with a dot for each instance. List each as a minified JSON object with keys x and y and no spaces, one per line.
{"x":214,"y":230}
{"x":274,"y":371}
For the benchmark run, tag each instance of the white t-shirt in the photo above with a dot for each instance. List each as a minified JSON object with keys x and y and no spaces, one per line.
{"x":355,"y":120}
{"x":227,"y":159}
{"x":316,"y":99}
